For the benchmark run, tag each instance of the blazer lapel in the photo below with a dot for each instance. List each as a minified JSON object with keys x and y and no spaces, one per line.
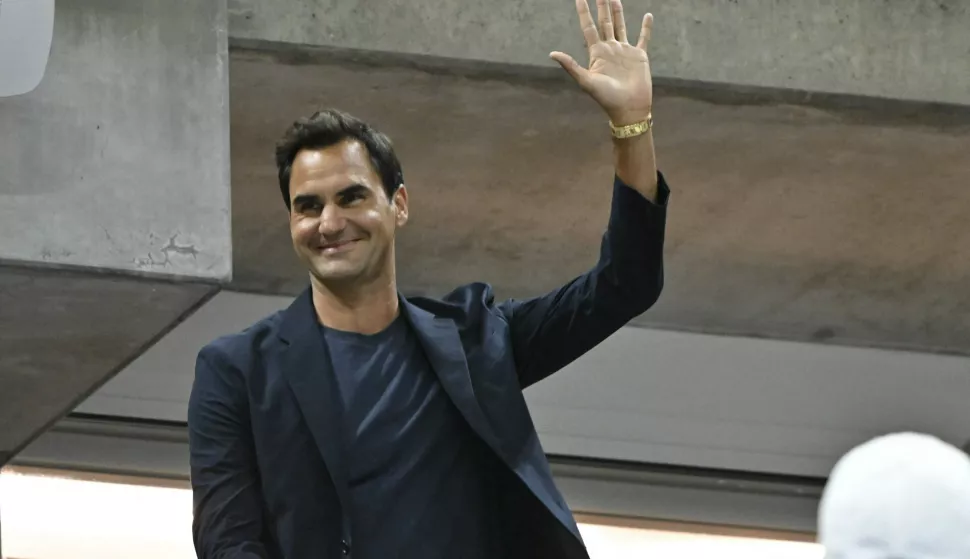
{"x":309,"y":371}
{"x":442,"y":345}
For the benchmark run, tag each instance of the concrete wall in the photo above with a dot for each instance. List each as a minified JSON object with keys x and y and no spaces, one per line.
{"x":651,"y":396}
{"x":796,"y":222}
{"x":120,"y":159}
{"x":905,"y":49}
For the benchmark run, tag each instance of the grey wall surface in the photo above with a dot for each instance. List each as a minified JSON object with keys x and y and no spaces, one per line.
{"x":120,"y":159}
{"x":905,"y":49}
{"x":651,"y":396}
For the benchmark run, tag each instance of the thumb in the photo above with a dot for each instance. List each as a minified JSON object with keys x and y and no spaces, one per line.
{"x":570,"y":65}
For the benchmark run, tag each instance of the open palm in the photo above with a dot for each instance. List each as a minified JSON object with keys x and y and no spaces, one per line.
{"x":618,"y":76}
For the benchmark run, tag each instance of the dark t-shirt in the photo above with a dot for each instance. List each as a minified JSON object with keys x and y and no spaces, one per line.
{"x":418,"y":477}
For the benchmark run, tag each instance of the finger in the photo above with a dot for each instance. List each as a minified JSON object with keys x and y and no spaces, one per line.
{"x":605,"y":21}
{"x":590,"y":34}
{"x":619,"y":23}
{"x":645,"y":31}
{"x":570,"y":65}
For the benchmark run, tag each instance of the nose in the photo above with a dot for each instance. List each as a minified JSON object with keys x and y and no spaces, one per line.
{"x":332,"y":221}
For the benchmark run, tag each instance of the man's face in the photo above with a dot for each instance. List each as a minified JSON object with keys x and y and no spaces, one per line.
{"x":341,"y":221}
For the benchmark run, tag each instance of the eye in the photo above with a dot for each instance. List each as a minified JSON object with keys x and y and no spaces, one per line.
{"x":352,"y":198}
{"x":310,"y":207}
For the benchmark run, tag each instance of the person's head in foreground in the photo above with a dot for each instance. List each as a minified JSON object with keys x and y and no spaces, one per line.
{"x":900,"y":496}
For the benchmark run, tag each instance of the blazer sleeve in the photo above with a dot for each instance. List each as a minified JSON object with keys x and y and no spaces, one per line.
{"x":227,"y":509}
{"x":550,"y":331}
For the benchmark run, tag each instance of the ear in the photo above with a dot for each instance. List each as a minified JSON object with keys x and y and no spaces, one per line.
{"x":400,"y":203}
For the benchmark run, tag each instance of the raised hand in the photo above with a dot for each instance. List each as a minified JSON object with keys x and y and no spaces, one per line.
{"x":618,"y":77}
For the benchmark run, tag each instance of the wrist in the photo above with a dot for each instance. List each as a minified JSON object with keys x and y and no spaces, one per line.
{"x":635,"y":163}
{"x":625,"y":118}
{"x":631,"y":130}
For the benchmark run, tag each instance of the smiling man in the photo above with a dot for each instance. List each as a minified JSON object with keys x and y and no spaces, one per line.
{"x":362,"y":422}
{"x":343,"y":185}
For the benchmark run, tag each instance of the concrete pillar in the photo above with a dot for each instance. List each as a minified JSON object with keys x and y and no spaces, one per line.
{"x":120,"y":159}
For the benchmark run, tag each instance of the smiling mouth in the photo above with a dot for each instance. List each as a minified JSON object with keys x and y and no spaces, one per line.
{"x":340,"y":246}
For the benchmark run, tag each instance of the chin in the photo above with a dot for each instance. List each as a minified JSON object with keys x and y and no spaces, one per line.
{"x":336,"y":273}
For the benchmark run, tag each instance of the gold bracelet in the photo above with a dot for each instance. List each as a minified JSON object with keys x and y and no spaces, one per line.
{"x":631,"y":130}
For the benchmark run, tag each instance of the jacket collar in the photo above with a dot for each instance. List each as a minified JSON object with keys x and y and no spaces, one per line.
{"x":441,"y":341}
{"x":307,"y":367}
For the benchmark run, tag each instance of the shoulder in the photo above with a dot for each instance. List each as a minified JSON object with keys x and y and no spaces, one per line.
{"x":467,"y":304}
{"x":238,"y":352}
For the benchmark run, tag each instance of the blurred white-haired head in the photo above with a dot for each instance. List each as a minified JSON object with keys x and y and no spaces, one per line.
{"x":899,"y":496}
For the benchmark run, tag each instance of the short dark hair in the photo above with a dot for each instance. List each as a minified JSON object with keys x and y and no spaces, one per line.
{"x":329,"y":127}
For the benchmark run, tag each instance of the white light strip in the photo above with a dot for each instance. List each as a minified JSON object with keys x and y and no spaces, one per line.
{"x":47,"y":517}
{"x":60,"y":518}
{"x":615,"y":542}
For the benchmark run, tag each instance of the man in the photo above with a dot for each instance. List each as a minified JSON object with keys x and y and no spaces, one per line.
{"x":899,"y":496}
{"x":358,"y":421}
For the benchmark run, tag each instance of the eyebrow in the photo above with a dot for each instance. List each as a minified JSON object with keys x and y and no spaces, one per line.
{"x":355,"y":188}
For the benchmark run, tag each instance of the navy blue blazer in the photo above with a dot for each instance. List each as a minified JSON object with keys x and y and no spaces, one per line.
{"x":265,"y":464}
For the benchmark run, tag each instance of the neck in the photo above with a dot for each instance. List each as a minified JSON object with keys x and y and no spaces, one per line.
{"x":366,"y":309}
